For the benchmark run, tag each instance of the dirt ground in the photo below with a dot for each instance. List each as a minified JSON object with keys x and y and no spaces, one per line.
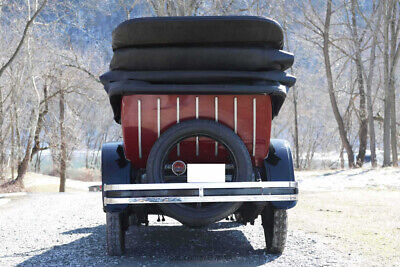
{"x":363,"y":222}
{"x":343,"y":218}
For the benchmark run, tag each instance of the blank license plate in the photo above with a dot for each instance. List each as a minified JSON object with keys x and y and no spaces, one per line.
{"x":206,"y":173}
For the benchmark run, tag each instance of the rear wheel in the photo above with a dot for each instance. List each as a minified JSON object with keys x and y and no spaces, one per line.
{"x":274,"y":222}
{"x":115,"y":229}
{"x":237,"y":155}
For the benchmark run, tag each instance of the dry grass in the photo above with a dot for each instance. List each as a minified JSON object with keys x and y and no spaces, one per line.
{"x":85,"y":175}
{"x":362,"y":222}
{"x":9,"y":187}
{"x":48,"y":188}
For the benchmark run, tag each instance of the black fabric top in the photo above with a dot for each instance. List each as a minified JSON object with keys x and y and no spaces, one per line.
{"x":201,"y":58}
{"x":116,"y":90}
{"x":198,"y":55}
{"x":198,"y":77}
{"x":201,"y":30}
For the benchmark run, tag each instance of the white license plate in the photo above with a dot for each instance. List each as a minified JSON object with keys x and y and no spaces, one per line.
{"x":206,"y":173}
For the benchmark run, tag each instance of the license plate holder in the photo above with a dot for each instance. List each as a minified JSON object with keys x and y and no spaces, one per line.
{"x":205,"y":173}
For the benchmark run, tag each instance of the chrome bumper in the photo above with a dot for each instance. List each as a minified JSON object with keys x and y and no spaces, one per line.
{"x":199,"y":192}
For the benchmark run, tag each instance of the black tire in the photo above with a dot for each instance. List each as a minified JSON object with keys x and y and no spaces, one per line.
{"x":216,"y":211}
{"x":115,"y":233}
{"x":275,"y":224}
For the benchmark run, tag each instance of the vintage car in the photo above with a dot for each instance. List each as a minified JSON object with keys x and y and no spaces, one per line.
{"x":195,"y":97}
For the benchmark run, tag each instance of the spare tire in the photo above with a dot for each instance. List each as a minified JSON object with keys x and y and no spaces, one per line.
{"x":185,"y":213}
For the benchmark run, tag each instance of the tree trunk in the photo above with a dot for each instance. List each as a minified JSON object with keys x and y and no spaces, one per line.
{"x":12,"y":146}
{"x":387,"y":102}
{"x":63,"y":149}
{"x":87,"y":158}
{"x":394,"y":54}
{"x":393,"y":130}
{"x":363,"y":132}
{"x":1,"y":137}
{"x":296,"y":129}
{"x":341,"y":157}
{"x":331,"y":90}
{"x":24,"y":163}
{"x":36,"y":144}
{"x":372,"y":56}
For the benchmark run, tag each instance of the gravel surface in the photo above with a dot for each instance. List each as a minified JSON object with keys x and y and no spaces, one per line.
{"x":68,"y":229}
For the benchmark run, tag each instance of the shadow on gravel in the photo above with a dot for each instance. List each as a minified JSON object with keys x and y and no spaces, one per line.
{"x":342,"y":171}
{"x":159,"y":245}
{"x":332,"y":173}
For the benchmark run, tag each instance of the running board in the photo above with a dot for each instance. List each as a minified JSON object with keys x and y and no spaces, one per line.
{"x":199,"y":192}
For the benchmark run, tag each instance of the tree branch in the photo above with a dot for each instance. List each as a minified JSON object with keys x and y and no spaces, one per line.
{"x":91,"y":75}
{"x":21,"y":42}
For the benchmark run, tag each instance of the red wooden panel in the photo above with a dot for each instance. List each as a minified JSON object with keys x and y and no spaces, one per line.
{"x":187,"y":111}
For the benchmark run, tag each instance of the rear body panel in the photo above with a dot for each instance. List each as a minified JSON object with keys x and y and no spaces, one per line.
{"x":144,"y":117}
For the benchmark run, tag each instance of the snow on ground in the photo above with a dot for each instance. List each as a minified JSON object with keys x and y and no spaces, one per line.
{"x":329,"y":180}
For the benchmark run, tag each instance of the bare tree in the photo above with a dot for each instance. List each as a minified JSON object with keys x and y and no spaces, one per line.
{"x":128,"y":6}
{"x":295,"y":113}
{"x":321,"y":27}
{"x":63,"y":149}
{"x":7,"y":63}
{"x":44,"y":109}
{"x":23,"y":164}
{"x":24,"y":34}
{"x":175,"y":7}
{"x":49,"y":67}
{"x":356,"y":39}
{"x":391,"y":54}
{"x":374,"y":25}
{"x":394,"y":59}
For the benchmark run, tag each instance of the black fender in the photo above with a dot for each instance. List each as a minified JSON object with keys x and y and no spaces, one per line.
{"x":115,"y":169}
{"x":278,"y":166}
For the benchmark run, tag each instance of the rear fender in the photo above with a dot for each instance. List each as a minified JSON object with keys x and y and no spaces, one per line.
{"x":278,"y":166}
{"x":115,"y":169}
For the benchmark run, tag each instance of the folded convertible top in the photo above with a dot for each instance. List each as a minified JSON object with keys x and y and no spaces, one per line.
{"x":207,"y":30}
{"x":198,"y":55}
{"x":116,"y":90}
{"x":201,"y":58}
{"x":198,"y":77}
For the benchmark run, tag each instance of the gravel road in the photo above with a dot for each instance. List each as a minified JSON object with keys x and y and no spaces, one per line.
{"x":68,"y":229}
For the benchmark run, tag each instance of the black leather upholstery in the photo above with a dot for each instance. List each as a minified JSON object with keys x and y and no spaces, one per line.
{"x":223,"y":30}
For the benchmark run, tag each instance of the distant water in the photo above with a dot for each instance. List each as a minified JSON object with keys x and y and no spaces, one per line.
{"x":77,"y":161}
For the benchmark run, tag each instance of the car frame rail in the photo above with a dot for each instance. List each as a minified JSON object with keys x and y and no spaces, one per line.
{"x":200,"y":192}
